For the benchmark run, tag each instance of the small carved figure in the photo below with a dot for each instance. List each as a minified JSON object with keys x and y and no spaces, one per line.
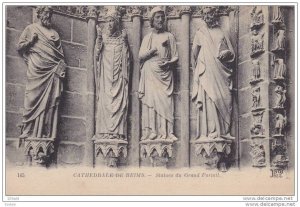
{"x":281,"y":98}
{"x":255,"y":69}
{"x":41,"y":48}
{"x":277,"y":15}
{"x":212,"y":82}
{"x":112,"y":67}
{"x":279,"y":69}
{"x":158,"y":54}
{"x":257,"y":42}
{"x":256,"y":97}
{"x":280,"y":40}
{"x":280,"y":124}
{"x":258,"y":155}
{"x":257,"y":17}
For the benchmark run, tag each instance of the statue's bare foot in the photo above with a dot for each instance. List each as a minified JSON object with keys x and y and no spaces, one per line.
{"x":172,"y":137}
{"x":213,"y":135}
{"x":144,"y":137}
{"x":152,"y":136}
{"x":163,"y":137}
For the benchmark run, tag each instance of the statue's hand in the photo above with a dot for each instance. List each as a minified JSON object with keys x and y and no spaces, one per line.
{"x":34,"y":38}
{"x":225,"y":55}
{"x":164,"y":64}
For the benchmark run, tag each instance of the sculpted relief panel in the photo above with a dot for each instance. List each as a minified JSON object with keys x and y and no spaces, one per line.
{"x":139,"y":86}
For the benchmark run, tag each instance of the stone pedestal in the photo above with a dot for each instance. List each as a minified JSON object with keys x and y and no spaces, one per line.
{"x":39,"y":151}
{"x":214,"y":152}
{"x":158,"y":151}
{"x":111,"y":151}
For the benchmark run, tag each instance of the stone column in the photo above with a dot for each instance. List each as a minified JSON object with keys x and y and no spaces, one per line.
{"x":133,"y":151}
{"x":90,"y":92}
{"x":184,"y":88}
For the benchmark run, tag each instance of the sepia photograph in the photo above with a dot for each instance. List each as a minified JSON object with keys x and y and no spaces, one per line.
{"x":150,"y":99}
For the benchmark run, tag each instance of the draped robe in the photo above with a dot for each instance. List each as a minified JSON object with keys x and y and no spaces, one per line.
{"x":46,"y":68}
{"x":212,"y":83}
{"x":157,"y":85}
{"x":112,"y":87}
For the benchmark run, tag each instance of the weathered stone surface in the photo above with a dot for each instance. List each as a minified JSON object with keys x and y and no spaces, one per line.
{"x":245,"y":123}
{"x":244,"y":21}
{"x":245,"y":153}
{"x":14,"y":156}
{"x":194,"y":26}
{"x":244,"y":74}
{"x":244,"y":48}
{"x":12,"y":38}
{"x":15,"y":70}
{"x":177,"y":128}
{"x":70,"y":154}
{"x":14,"y":97}
{"x":73,"y":104}
{"x":177,"y":101}
{"x":79,"y":33}
{"x":174,"y":26}
{"x":71,"y":129}
{"x":76,"y":80}
{"x":11,"y":125}
{"x":176,"y":75}
{"x":193,"y":128}
{"x":75,"y":55}
{"x":62,"y":24}
{"x":245,"y":101}
{"x":18,"y":17}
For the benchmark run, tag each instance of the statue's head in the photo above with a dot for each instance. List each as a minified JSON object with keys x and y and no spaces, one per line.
{"x":113,"y":20}
{"x":210,"y":16}
{"x":157,"y":18}
{"x":44,"y":14}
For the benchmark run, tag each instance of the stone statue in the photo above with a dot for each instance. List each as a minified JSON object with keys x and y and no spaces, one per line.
{"x":41,"y":48}
{"x":279,"y":40}
{"x":279,"y":69}
{"x":257,"y":17}
{"x":277,"y":15}
{"x":212,"y":58}
{"x":280,"y":124}
{"x":257,"y":42}
{"x":112,"y":60}
{"x":255,"y":70}
{"x":281,"y":98}
{"x":256,"y":97}
{"x":158,"y":54}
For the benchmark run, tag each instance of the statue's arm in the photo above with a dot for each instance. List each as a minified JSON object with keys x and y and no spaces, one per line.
{"x":144,"y":53}
{"x":25,"y":41}
{"x":195,"y":50}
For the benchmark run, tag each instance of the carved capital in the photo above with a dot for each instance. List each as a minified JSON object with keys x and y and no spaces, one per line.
{"x":92,"y":13}
{"x":134,"y":11}
{"x":185,"y":10}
